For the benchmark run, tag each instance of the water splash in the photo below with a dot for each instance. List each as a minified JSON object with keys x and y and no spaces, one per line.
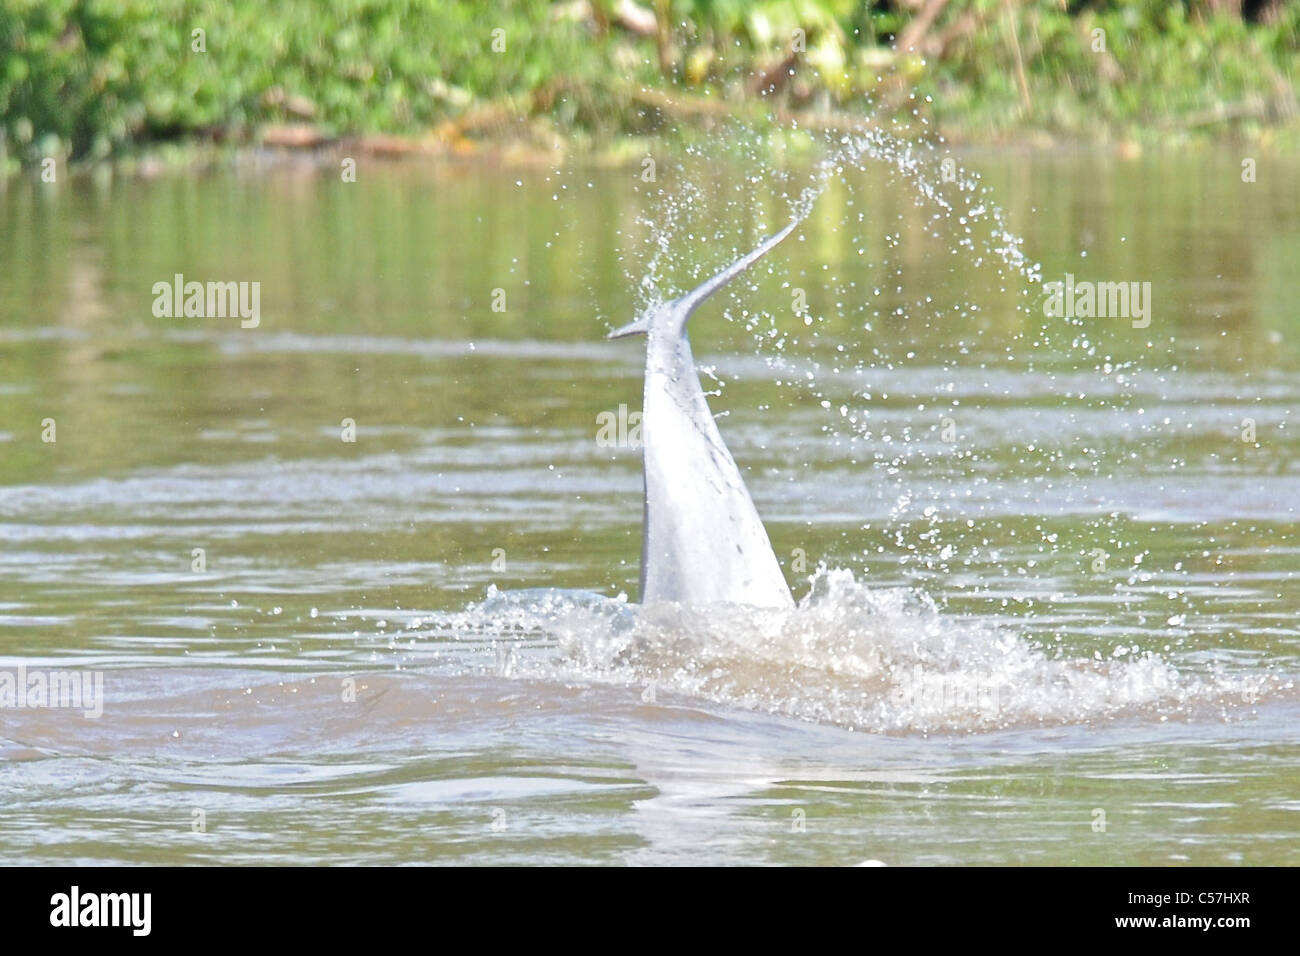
{"x":885,"y":660}
{"x":681,"y":216}
{"x":868,"y":659}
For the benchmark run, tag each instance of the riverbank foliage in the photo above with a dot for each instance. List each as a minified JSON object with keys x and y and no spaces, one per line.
{"x":90,"y":78}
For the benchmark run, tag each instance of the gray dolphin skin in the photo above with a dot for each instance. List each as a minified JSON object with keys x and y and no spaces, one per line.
{"x":702,"y":541}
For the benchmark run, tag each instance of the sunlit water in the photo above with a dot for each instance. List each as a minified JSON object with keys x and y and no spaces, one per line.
{"x":1044,"y":580}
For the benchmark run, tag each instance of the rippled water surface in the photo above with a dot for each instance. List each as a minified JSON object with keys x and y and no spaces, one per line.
{"x":1047,"y":571}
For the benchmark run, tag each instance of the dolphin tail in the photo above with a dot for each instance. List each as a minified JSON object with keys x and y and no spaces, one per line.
{"x":679,"y":310}
{"x":638,"y":326}
{"x":692,"y":300}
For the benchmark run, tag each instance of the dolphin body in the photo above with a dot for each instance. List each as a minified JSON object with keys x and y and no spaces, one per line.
{"x":702,"y":541}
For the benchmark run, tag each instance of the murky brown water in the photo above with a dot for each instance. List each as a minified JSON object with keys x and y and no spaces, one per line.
{"x":1060,"y":582}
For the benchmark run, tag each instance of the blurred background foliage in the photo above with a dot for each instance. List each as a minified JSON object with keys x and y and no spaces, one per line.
{"x":89,"y":78}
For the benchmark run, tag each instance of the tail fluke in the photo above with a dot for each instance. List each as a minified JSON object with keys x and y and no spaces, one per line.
{"x":692,"y":300}
{"x":674,"y":314}
{"x":638,"y":326}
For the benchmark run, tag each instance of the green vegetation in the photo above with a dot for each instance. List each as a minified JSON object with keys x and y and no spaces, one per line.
{"x":89,"y":78}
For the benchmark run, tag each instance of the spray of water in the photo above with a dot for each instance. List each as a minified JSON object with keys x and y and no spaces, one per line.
{"x":876,"y":659}
{"x":869,"y":659}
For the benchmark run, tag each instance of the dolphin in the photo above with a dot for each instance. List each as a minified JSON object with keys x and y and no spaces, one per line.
{"x":702,"y":540}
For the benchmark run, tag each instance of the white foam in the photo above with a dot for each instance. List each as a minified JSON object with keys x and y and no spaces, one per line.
{"x":853,"y":656}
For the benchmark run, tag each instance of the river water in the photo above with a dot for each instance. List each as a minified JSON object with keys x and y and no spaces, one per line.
{"x":1047,"y":569}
